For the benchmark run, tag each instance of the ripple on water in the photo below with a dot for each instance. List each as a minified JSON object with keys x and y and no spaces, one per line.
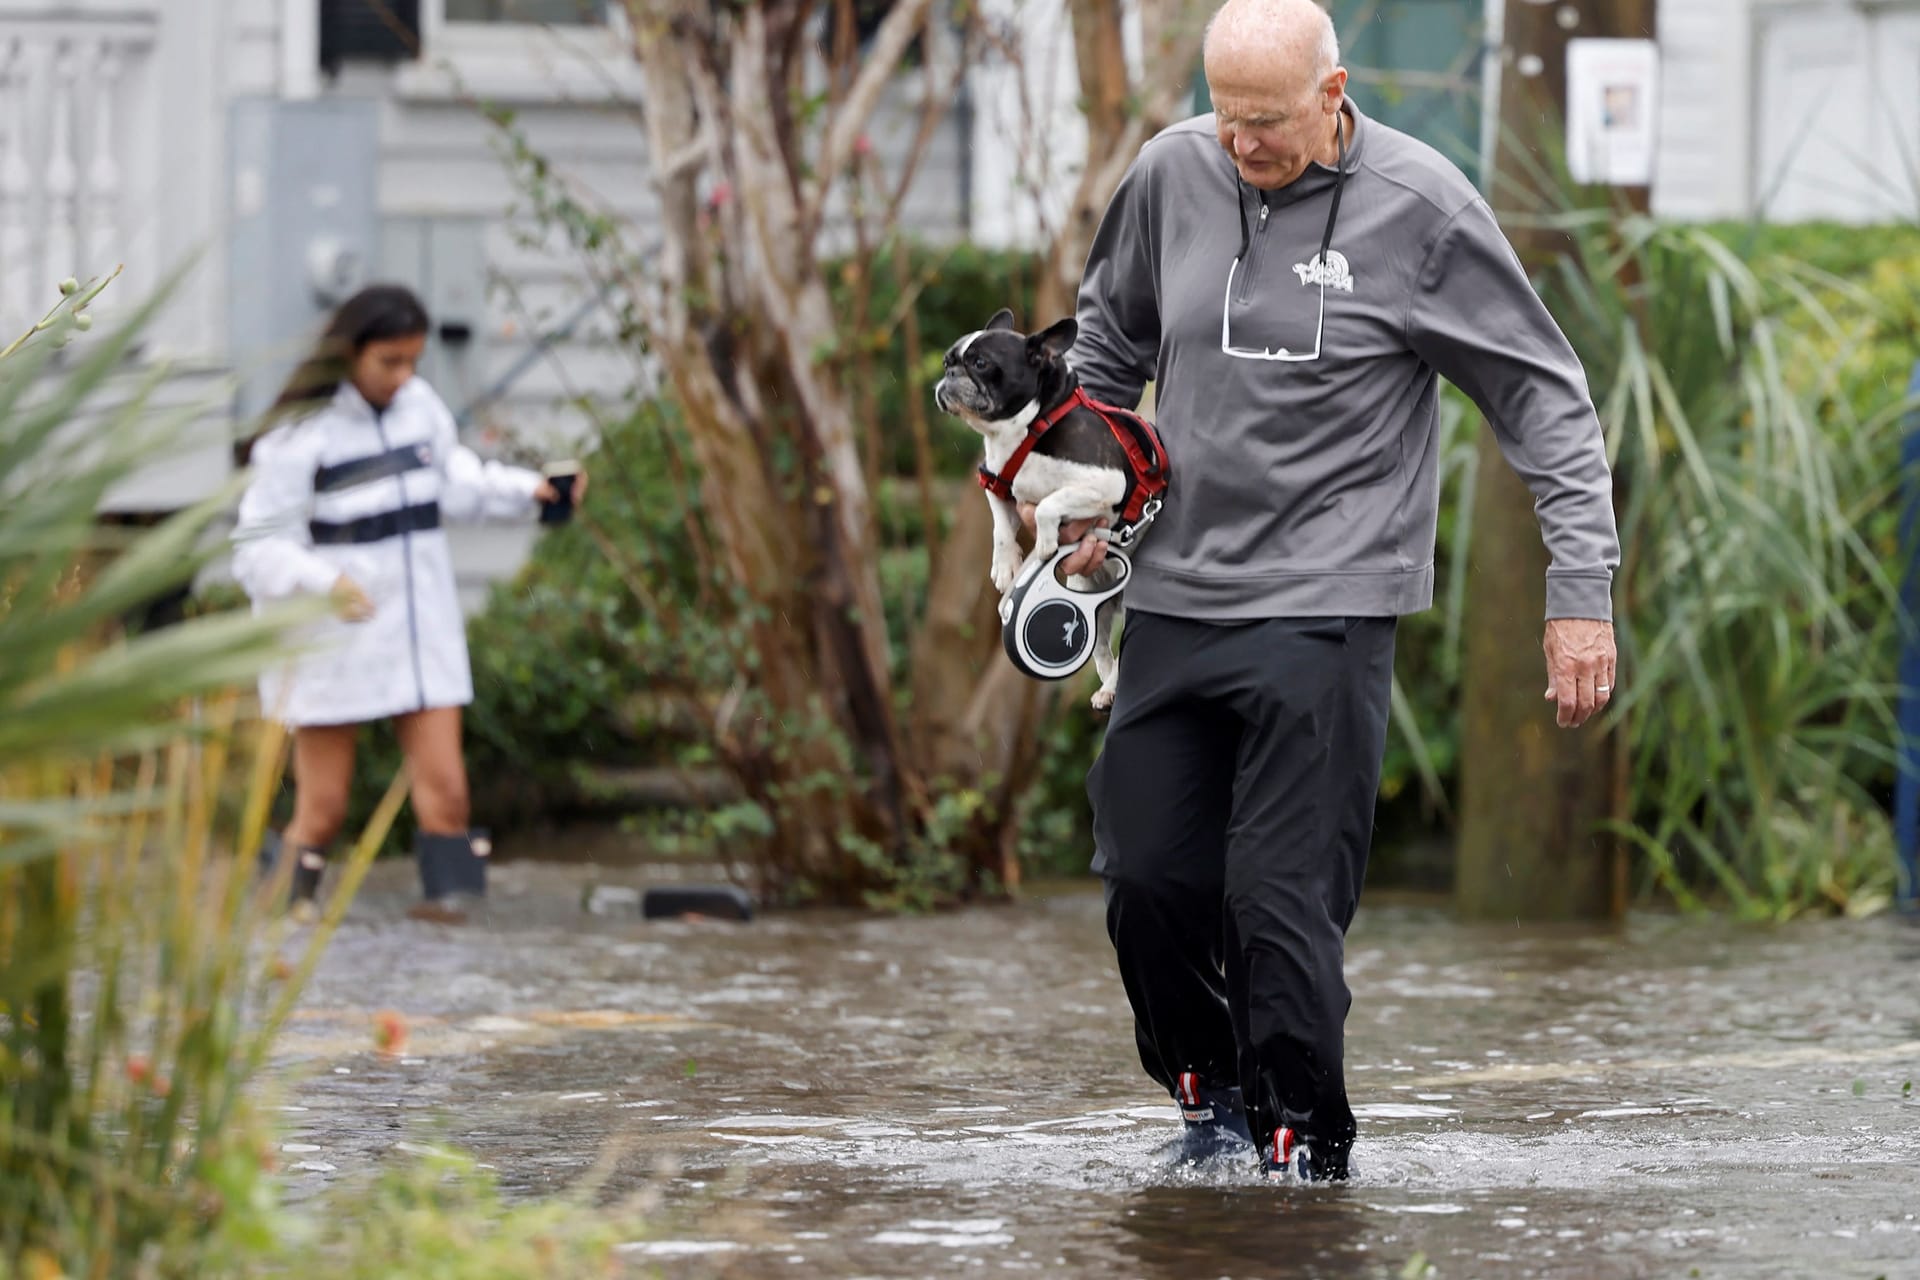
{"x":677,"y":1248}
{"x":777,"y":1121}
{"x":924,"y":1132}
{"x":964,"y":1234}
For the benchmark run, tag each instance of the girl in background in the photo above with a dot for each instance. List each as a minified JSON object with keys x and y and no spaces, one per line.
{"x":349,"y":491}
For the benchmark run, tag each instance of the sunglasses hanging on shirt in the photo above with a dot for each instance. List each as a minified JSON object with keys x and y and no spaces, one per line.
{"x":1320,"y":263}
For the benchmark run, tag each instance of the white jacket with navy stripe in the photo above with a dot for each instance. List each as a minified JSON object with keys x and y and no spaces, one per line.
{"x":351,"y":490}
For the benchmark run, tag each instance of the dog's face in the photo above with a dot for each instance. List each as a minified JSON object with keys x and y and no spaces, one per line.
{"x":994,"y":374}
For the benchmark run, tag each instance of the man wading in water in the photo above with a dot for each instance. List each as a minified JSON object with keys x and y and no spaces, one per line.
{"x":1293,"y":277}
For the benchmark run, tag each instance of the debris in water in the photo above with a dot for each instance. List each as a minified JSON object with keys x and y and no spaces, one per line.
{"x":611,"y":900}
{"x":390,"y":1032}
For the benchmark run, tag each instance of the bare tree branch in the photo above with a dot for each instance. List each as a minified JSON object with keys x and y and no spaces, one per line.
{"x":934,"y":110}
{"x":882,"y":61}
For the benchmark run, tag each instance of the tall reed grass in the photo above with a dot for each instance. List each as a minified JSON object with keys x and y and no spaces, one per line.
{"x":145,"y":965}
{"x":1754,"y":423}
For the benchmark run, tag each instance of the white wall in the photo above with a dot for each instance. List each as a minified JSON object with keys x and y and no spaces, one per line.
{"x":1700,"y":167}
{"x":1030,"y":139}
{"x":1789,"y":110}
{"x":1792,"y":109}
{"x":1837,"y":112}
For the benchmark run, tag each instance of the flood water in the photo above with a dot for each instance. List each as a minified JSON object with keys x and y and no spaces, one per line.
{"x":832,"y":1094}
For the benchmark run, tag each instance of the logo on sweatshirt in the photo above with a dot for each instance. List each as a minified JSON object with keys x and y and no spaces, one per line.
{"x":1334,"y":273}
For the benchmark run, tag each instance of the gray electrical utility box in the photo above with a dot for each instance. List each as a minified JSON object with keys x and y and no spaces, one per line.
{"x":444,"y":260}
{"x":305,"y":219}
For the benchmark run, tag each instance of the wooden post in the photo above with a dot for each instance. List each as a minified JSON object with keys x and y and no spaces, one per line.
{"x":1532,"y":794}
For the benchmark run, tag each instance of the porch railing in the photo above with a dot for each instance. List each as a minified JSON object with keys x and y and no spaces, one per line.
{"x":73,"y":88}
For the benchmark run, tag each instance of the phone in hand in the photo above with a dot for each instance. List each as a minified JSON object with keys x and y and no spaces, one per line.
{"x":561,"y":475}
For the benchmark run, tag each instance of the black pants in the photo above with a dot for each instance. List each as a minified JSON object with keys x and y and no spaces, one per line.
{"x":1233,"y":809}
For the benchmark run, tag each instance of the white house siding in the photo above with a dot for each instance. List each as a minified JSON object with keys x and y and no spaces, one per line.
{"x":1701,"y":161}
{"x":1837,"y":112}
{"x":1031,"y":138}
{"x":439,"y":174}
{"x":440,"y":163}
{"x":254,"y":63}
{"x":111,"y":129}
{"x":1789,"y":111}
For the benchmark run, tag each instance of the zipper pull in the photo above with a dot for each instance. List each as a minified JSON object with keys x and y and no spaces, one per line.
{"x":1263,"y":213}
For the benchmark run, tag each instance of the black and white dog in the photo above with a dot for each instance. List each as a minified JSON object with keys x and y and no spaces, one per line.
{"x":1049,"y":444}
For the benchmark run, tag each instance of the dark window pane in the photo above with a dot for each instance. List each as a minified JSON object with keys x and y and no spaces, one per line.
{"x":527,"y":10}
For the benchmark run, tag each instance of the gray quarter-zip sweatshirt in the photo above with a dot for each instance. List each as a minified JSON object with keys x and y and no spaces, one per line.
{"x":1310,"y":486}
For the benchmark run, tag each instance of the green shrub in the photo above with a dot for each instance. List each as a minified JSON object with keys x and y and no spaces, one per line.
{"x":1755,"y":418}
{"x":432,"y":1214}
{"x":1843,"y":306}
{"x":138,"y":986}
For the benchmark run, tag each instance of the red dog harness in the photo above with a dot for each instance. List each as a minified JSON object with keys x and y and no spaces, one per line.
{"x":1146,"y":459}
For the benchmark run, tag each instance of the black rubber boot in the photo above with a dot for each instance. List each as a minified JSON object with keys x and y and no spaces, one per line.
{"x":453,"y":875}
{"x":310,"y":864}
{"x":1215,"y":1120}
{"x":309,"y":868}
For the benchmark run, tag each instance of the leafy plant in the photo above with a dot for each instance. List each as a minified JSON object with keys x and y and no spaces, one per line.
{"x":140,"y":1004}
{"x":134,"y":1008}
{"x":435,"y":1214}
{"x":1755,"y":447}
{"x":65,"y":580}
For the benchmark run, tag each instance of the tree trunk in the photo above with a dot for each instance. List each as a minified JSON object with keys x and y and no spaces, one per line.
{"x":1120,"y":116}
{"x":741,"y":323}
{"x":1532,"y":794}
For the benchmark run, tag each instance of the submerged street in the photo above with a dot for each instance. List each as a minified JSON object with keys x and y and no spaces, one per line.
{"x":834,"y":1094}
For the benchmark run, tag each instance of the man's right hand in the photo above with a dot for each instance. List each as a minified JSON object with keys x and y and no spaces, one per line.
{"x":1093,"y":551}
{"x":350,"y":600}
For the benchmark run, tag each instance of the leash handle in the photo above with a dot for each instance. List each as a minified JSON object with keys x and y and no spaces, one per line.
{"x":1046,"y":626}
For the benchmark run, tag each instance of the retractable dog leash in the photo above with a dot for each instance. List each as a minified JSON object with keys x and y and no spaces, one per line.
{"x":1047,"y":626}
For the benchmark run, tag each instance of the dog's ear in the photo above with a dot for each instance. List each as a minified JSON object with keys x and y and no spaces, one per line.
{"x":1053,"y":342}
{"x":1002,"y":319}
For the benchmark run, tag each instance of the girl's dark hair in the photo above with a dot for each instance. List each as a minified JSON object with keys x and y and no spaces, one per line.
{"x":375,"y":314}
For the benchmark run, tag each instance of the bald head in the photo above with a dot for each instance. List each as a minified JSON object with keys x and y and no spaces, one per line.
{"x":1273,"y":71}
{"x":1294,"y":34}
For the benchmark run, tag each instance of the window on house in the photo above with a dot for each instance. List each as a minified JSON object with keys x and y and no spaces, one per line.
{"x":562,"y":11}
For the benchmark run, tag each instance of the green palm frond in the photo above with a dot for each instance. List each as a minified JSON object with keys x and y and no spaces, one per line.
{"x":72,"y":686}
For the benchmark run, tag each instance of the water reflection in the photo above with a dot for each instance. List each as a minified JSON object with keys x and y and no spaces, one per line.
{"x":1173,"y":1231}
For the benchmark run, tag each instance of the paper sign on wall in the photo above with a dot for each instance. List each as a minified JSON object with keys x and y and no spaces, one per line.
{"x":1611,"y":110}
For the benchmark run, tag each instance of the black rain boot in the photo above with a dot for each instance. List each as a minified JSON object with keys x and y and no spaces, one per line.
{"x":453,"y":873}
{"x":309,"y":868}
{"x":1215,"y":1119}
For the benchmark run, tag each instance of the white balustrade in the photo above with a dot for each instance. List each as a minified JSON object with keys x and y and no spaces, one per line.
{"x":104,"y":221}
{"x":69,"y":116}
{"x":18,"y":255}
{"x":61,"y":257}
